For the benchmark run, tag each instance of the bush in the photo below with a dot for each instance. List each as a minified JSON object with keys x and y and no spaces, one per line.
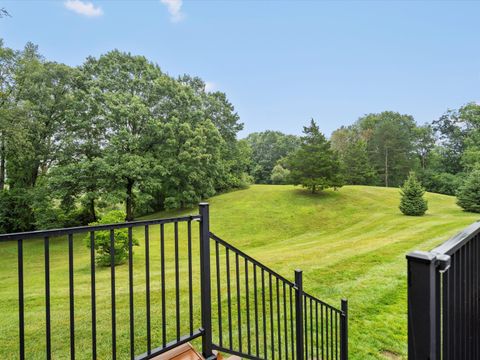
{"x":468,"y":196}
{"x":279,"y":175}
{"x":102,"y":240}
{"x":16,"y":214}
{"x":441,"y":183}
{"x":412,"y":202}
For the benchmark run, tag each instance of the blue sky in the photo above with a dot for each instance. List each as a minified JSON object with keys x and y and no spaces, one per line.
{"x":280,"y":62}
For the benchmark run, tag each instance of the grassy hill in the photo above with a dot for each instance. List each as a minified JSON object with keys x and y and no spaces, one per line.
{"x":349,"y":243}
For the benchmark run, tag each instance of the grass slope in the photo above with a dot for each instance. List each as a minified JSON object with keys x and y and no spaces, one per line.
{"x":350,"y":243}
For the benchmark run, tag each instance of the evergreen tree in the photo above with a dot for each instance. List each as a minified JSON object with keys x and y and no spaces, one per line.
{"x":412,"y":202}
{"x":468,"y":196}
{"x":314,"y":165}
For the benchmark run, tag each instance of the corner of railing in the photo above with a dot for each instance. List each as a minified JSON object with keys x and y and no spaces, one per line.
{"x":344,"y":330}
{"x":423,"y":280}
{"x":206,"y":296}
{"x":299,"y":314}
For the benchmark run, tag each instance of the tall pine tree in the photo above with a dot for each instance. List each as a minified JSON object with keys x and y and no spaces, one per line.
{"x":314,"y":165}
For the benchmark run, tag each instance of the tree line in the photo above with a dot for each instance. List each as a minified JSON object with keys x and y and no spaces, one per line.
{"x":118,"y":131}
{"x":76,"y":141}
{"x":382,"y":149}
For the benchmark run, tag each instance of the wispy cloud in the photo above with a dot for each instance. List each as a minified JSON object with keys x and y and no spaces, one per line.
{"x":174,"y":7}
{"x":210,"y":86}
{"x":83,"y":8}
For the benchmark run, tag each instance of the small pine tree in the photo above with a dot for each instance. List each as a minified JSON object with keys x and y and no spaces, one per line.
{"x":468,"y":196}
{"x":412,"y":202}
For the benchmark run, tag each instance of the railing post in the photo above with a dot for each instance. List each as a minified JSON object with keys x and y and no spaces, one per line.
{"x":344,"y":331}
{"x":299,"y":314}
{"x":423,"y":306}
{"x":206,"y":296}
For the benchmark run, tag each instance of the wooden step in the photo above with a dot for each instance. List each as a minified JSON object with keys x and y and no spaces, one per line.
{"x":182,"y":352}
{"x":187,"y":352}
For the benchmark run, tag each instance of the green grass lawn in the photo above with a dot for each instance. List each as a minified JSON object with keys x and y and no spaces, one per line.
{"x":349,"y":243}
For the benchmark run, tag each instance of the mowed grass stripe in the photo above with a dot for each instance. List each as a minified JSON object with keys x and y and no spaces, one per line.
{"x":350,"y":243}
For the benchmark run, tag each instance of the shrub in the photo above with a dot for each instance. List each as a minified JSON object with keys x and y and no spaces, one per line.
{"x":412,"y":202}
{"x":16,"y":213}
{"x":279,"y":175}
{"x":441,"y":183}
{"x":102,"y":240}
{"x":468,"y":196}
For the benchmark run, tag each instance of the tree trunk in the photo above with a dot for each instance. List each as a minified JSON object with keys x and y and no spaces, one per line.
{"x":91,"y":210}
{"x":2,"y":164}
{"x":129,"y":202}
{"x":313,"y":189}
{"x":386,"y":167}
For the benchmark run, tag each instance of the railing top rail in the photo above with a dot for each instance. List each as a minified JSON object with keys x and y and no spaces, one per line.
{"x":323,"y":303}
{"x":82,"y":229}
{"x":450,"y":246}
{"x":252,"y":260}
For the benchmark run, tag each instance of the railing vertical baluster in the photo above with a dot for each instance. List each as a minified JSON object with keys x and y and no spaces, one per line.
{"x":257,"y":335}
{"x":239,"y":310}
{"x":177,"y":282}
{"x":264,"y":317}
{"x":21,"y":301}
{"x":229,"y":299}
{"x":112,"y":285}
{"x":147,"y":290}
{"x":292,"y":343}
{"x":285,"y":328}
{"x":327,"y":333}
{"x":205,"y":281}
{"x":322,"y":327}
{"x":93,"y":295}
{"x":299,"y":314}
{"x":272,"y":331}
{"x":71,"y":296}
{"x":311,"y":327}
{"x":336,"y":335}
{"x":190,"y":272}
{"x":162,"y":276}
{"x":130,"y":293}
{"x":316,"y":327}
{"x":279,"y":335}
{"x":344,"y":331}
{"x":47,"y":298}
{"x":305,"y":324}
{"x":219,"y":295}
{"x":247,"y":297}
{"x":332,"y":342}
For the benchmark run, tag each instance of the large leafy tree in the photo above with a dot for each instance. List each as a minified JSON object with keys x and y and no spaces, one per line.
{"x":314,"y":165}
{"x":131,"y":96}
{"x":353,"y":153}
{"x":390,"y":142}
{"x":268,"y":148}
{"x":459,"y":132}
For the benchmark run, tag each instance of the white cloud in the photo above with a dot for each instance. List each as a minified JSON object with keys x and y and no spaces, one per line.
{"x":174,"y":7}
{"x":210,"y":86}
{"x":83,"y":8}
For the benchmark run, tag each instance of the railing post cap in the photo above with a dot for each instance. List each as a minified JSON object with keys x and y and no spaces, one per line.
{"x":422,"y":256}
{"x":203,"y":204}
{"x":298,"y":271}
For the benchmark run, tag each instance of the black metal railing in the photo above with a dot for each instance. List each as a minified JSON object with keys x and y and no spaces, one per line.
{"x":164,"y":296}
{"x":262,"y":315}
{"x":444,"y":299}
{"x":153,"y":328}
